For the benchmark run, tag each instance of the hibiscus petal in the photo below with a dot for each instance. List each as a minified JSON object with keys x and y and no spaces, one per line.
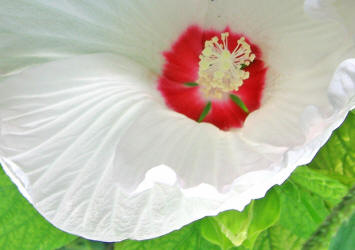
{"x":342,"y":88}
{"x":340,"y":10}
{"x":35,"y":31}
{"x":346,"y":9}
{"x":289,"y":39}
{"x":84,"y":138}
{"x":91,"y":145}
{"x":301,"y":54}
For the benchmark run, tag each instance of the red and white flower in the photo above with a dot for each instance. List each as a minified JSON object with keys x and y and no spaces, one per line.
{"x":130,"y":119}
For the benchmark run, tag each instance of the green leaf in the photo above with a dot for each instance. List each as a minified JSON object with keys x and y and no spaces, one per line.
{"x":237,"y":228}
{"x":303,"y":197}
{"x":278,"y":238}
{"x":345,"y":238}
{"x":301,"y":211}
{"x":211,"y":230}
{"x":21,"y":227}
{"x":191,"y":84}
{"x":341,"y":213}
{"x":239,"y":102}
{"x":83,"y":244}
{"x":266,"y":212}
{"x":233,"y":225}
{"x":337,"y":158}
{"x":187,"y":238}
{"x":205,"y":111}
{"x":325,"y":187}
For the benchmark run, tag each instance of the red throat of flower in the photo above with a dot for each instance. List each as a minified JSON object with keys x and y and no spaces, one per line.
{"x":213,"y":77}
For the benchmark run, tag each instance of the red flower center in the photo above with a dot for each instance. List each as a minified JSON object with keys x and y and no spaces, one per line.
{"x":179,"y":81}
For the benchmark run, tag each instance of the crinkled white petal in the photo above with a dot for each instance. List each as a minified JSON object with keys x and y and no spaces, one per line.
{"x":346,"y":10}
{"x":91,"y":145}
{"x":301,"y":54}
{"x":340,"y":10}
{"x":36,"y":31}
{"x":321,"y":8}
{"x":290,"y":40}
{"x":89,"y":139}
{"x":342,"y":88}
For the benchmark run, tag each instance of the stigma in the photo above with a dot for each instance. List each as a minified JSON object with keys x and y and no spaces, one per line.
{"x":222,"y":71}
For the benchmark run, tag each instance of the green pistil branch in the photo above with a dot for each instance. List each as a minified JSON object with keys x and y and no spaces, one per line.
{"x":321,"y":238}
{"x":191,"y":84}
{"x":208,"y":106}
{"x":243,"y":66}
{"x":205,"y":112}
{"x":236,"y":99}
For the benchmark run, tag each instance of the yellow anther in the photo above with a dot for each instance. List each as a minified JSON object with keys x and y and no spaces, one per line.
{"x":207,"y":52}
{"x":221,"y":71}
{"x":224,"y":35}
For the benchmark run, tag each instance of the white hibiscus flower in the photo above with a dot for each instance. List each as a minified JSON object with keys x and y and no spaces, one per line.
{"x":97,"y":133}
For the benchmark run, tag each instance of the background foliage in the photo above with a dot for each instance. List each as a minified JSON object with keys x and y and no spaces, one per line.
{"x":283,"y":220}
